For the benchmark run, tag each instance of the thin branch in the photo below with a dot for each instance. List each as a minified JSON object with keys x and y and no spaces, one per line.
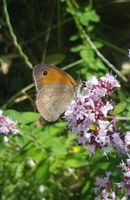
{"x":117,"y":118}
{"x":72,"y":64}
{"x":48,"y":34}
{"x":12,"y":99}
{"x":113,"y":46}
{"x":13,"y":36}
{"x":111,"y":66}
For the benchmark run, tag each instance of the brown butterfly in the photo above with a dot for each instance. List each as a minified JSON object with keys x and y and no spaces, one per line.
{"x":55,"y":90}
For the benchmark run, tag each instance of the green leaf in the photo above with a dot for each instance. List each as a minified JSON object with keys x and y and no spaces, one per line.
{"x":120,"y":107}
{"x":30,"y":117}
{"x":88,"y":56}
{"x":88,"y":16}
{"x":22,"y":117}
{"x":13,"y":114}
{"x":74,"y":37}
{"x":42,"y":171}
{"x":98,"y":44}
{"x":77,"y":48}
{"x":75,"y":163}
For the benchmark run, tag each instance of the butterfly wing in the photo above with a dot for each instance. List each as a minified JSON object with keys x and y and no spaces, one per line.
{"x":54,"y":91}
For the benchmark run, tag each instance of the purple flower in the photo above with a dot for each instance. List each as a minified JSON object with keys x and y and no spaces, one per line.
{"x":103,"y":87}
{"x":90,"y":149}
{"x":125,"y":184}
{"x":102,"y":188}
{"x":127,"y":141}
{"x":109,"y":82}
{"x":7,"y":126}
{"x":87,"y":115}
{"x":104,"y":109}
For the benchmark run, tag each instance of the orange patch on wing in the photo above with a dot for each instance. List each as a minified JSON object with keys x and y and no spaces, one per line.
{"x":55,"y":76}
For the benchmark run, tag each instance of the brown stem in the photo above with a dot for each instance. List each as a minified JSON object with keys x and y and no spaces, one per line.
{"x":116,"y":118}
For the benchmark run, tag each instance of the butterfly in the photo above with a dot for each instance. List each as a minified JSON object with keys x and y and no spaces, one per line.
{"x":55,"y":90}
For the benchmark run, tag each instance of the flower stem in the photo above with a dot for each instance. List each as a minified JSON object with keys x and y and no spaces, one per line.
{"x":13,"y":36}
{"x":12,"y":99}
{"x":116,"y":118}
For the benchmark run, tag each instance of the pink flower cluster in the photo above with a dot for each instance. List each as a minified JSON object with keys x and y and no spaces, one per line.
{"x":88,"y":116}
{"x":125,"y":184}
{"x":7,"y":126}
{"x":102,"y":188}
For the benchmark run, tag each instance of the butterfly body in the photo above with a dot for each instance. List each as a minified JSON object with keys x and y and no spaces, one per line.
{"x":55,"y":90}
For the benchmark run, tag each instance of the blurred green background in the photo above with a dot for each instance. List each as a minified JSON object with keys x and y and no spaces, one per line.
{"x":83,"y":37}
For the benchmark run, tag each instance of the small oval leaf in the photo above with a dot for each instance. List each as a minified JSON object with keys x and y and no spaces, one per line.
{"x":120,"y":107}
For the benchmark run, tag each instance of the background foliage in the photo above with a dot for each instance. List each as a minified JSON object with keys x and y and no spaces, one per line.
{"x":84,"y":38}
